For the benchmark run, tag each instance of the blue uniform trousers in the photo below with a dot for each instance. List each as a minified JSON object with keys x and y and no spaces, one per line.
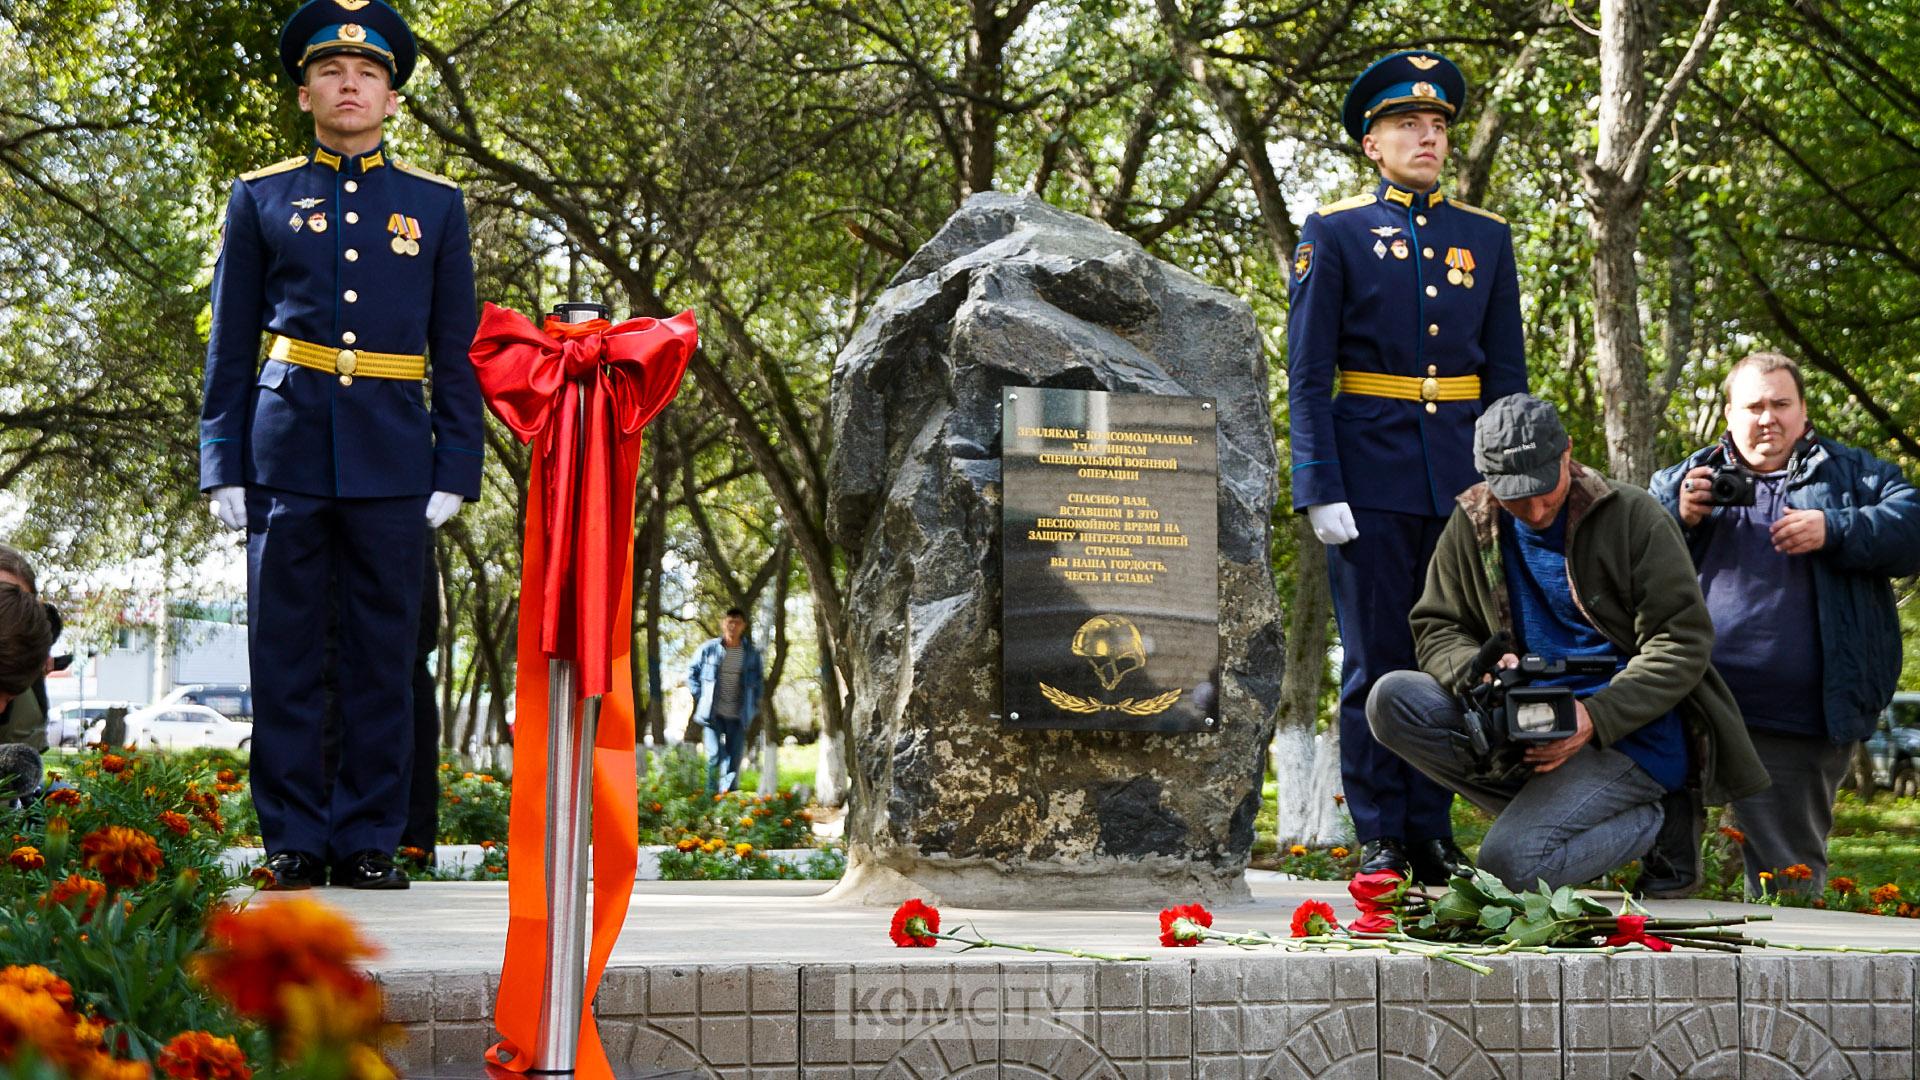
{"x":1376,"y":578}
{"x":305,"y":555}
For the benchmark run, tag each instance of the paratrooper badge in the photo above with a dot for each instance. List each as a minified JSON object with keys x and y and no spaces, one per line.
{"x":1302,"y":261}
{"x":317,"y":221}
{"x":1112,"y":646}
{"x":1400,"y":249}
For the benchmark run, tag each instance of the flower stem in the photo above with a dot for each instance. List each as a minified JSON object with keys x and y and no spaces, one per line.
{"x":985,"y":943}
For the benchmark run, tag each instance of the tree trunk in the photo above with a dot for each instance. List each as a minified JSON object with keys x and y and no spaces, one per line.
{"x":769,"y":718}
{"x":1306,"y":764}
{"x":831,"y":774}
{"x":654,"y":723}
{"x":1616,"y":188}
{"x":1619,"y":358}
{"x":1862,"y":769}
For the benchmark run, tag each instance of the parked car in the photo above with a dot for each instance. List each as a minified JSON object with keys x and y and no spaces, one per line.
{"x":182,"y":726}
{"x":67,"y":723}
{"x":1895,"y":746}
{"x":231,"y":700}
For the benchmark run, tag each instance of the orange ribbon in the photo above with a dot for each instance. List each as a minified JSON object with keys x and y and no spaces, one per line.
{"x":576,"y":603}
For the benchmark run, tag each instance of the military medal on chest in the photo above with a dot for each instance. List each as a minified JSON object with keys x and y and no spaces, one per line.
{"x":1399,"y":248}
{"x":317,"y":221}
{"x":406,"y":234}
{"x":1460,"y":267}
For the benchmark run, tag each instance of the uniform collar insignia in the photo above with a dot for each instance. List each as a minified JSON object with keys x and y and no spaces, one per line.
{"x":367,"y":162}
{"x":1399,"y":196}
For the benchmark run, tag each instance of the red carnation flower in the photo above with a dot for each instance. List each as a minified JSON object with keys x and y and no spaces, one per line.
{"x":1373,"y":922}
{"x":914,"y":925}
{"x":1181,"y":926}
{"x":1378,"y":891}
{"x":1313,"y":918}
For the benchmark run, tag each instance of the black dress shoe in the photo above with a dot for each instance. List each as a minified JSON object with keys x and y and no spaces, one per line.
{"x":1439,"y":861}
{"x":370,"y":870}
{"x":1670,"y":870}
{"x":294,"y":870}
{"x":1383,"y":854}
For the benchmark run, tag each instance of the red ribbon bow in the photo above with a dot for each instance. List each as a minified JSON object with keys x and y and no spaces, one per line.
{"x":1633,"y":931}
{"x":576,"y":603}
{"x":532,"y":379}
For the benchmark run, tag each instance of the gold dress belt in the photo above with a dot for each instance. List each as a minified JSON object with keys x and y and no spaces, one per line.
{"x":348,"y":363}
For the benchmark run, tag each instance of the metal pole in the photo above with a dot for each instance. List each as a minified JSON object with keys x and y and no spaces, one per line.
{"x":569,"y":799}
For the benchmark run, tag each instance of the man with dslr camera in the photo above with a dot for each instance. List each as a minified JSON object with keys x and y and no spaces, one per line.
{"x":1794,"y":538}
{"x":1588,"y":579}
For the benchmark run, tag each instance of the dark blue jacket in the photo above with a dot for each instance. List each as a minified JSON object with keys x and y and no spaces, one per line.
{"x":343,"y":286}
{"x":1372,"y":293}
{"x":1873,"y":535}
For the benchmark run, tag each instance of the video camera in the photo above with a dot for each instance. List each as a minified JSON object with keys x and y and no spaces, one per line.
{"x":1505,"y":714}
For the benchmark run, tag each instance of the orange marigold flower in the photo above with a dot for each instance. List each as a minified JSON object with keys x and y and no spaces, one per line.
{"x":213,"y":819}
{"x":34,"y":1020}
{"x":655,"y":807}
{"x":26,"y":857}
{"x":786,"y":821}
{"x":1733,"y":834}
{"x":411,"y":852}
{"x":176,"y":823}
{"x":489,"y":778}
{"x":1885,"y":894}
{"x":687,"y":843}
{"x":256,"y":953}
{"x":743,"y":849}
{"x":1798,"y":872}
{"x":1765,"y":875}
{"x":124,"y":857}
{"x":34,"y":979}
{"x":113,"y":763}
{"x":1843,"y":885}
{"x":746,"y":821}
{"x":65,"y":796}
{"x":1297,"y":850}
{"x":76,"y":886}
{"x":200,"y":1055}
{"x":1339,"y":853}
{"x":454,"y":799}
{"x":466,"y":776}
{"x":487,"y":845}
{"x":226,"y":776}
{"x":261,"y":877}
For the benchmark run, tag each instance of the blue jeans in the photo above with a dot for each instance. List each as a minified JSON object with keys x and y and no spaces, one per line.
{"x":725,"y":740}
{"x":1597,"y":811}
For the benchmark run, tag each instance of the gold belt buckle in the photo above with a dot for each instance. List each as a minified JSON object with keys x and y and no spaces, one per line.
{"x":345,"y":364}
{"x":1429,"y":389}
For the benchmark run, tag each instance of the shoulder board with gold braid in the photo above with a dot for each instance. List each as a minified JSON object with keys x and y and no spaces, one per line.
{"x":277,"y":167}
{"x":414,"y":170}
{"x":1471,"y":209}
{"x":1354,"y":202}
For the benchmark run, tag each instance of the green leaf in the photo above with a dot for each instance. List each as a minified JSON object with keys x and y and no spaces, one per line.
{"x":1496,"y":916}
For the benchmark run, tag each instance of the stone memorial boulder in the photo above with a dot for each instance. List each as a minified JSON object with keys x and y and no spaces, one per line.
{"x":949,"y":803}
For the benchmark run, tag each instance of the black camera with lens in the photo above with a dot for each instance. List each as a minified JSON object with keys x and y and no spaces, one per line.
{"x":1506,"y":712}
{"x":1730,"y":485}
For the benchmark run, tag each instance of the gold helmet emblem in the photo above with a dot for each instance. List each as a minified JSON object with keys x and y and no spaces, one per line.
{"x":1112,"y":646}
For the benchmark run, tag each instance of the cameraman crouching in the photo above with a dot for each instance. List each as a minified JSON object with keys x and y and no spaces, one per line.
{"x":1573,"y":568}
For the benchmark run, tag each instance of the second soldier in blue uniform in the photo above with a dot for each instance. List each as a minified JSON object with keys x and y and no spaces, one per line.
{"x":1405,"y":321}
{"x":331,"y":453}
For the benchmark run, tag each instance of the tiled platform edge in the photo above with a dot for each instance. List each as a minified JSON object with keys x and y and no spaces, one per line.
{"x":1750,"y":1017}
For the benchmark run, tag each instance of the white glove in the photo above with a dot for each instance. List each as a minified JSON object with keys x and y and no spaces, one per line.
{"x":1332,"y":523}
{"x":229,"y":505}
{"x":441,"y":505}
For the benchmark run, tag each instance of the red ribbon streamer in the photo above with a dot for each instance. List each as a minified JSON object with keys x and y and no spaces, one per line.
{"x":576,"y":603}
{"x":1633,"y":931}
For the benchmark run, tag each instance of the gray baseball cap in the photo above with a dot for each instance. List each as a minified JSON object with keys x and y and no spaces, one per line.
{"x":1517,"y":445}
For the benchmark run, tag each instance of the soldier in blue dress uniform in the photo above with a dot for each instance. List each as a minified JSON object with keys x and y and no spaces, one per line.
{"x":359,"y":431}
{"x":1405,"y":322}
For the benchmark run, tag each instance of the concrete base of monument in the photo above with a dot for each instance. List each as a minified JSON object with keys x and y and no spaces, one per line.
{"x":760,"y":979}
{"x":877,"y":880}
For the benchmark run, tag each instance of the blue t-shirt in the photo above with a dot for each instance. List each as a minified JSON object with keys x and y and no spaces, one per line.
{"x":1766,"y":620}
{"x":1551,"y":625}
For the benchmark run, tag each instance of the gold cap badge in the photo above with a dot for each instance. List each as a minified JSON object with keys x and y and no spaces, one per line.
{"x":352,"y":32}
{"x":1420,"y":89}
{"x":353,"y":5}
{"x":1424,"y":63}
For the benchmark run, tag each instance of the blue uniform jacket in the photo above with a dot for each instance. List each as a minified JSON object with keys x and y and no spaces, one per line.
{"x":1360,"y":304}
{"x":307,"y":250}
{"x":1873,"y":535}
{"x":704,"y":673}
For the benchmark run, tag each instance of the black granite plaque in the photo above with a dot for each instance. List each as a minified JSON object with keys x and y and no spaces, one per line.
{"x":1110,"y":600}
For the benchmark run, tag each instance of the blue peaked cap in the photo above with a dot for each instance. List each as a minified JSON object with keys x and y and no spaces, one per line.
{"x":366,"y":27}
{"x":1411,"y":81}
